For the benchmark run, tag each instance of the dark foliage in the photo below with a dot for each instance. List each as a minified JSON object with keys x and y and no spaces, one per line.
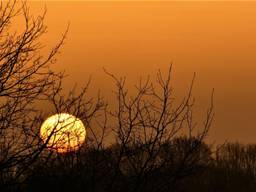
{"x":231,"y":168}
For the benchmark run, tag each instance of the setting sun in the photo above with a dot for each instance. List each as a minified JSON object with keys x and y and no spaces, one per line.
{"x":63,"y":133}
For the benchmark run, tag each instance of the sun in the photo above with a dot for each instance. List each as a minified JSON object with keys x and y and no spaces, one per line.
{"x":63,"y":133}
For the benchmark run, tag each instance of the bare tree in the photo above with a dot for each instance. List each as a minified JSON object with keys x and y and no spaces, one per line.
{"x":148,"y":120}
{"x":26,"y":78}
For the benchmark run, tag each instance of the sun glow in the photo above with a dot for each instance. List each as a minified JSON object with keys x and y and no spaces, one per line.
{"x":63,"y":133}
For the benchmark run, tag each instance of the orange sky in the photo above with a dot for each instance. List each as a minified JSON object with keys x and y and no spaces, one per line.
{"x":214,"y":39}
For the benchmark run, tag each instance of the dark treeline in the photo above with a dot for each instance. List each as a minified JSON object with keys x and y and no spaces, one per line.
{"x":230,"y":168}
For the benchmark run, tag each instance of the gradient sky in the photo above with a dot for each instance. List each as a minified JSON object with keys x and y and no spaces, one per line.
{"x":214,"y":39}
{"x":132,"y":0}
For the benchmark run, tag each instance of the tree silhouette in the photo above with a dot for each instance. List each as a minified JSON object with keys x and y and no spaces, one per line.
{"x":26,"y":78}
{"x":145,"y":122}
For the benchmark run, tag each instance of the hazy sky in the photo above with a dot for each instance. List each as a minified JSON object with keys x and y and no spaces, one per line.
{"x":144,"y":0}
{"x":214,"y":39}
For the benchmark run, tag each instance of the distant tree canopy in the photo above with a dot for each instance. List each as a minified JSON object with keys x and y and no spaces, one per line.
{"x":226,"y":169}
{"x":157,"y":145}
